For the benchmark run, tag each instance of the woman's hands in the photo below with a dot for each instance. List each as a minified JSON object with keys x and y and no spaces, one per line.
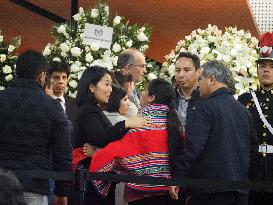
{"x":138,"y":122}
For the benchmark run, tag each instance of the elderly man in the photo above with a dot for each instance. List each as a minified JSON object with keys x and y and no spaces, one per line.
{"x":132,"y":62}
{"x":220,"y":140}
{"x":259,"y":103}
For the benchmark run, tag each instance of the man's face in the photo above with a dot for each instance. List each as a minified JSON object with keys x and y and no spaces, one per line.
{"x":204,"y":85}
{"x":185,"y":73}
{"x":265,"y":73}
{"x":138,"y":67}
{"x":59,"y":82}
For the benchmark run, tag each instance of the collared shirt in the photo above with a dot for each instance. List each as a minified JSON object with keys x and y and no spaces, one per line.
{"x":182,"y":107}
{"x":62,"y":102}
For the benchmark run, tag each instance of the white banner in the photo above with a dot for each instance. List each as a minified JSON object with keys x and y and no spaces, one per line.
{"x":96,"y":34}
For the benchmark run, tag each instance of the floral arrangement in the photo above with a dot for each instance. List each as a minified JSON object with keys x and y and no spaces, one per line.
{"x":7,"y":60}
{"x":236,"y":48}
{"x":68,"y":46}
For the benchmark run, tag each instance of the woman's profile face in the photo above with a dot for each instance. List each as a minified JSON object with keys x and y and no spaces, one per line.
{"x":102,"y":89}
{"x":124,"y":105}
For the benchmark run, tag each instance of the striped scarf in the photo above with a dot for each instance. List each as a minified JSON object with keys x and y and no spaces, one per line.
{"x":141,"y":152}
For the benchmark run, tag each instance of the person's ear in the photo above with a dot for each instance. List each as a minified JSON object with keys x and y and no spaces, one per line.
{"x":126,"y":69}
{"x":212,"y":79}
{"x":151,"y":98}
{"x":91,"y":87}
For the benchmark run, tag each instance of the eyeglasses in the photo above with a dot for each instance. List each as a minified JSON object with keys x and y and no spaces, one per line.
{"x":141,"y":66}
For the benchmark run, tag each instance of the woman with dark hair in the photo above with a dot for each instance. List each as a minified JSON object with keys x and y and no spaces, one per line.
{"x":11,"y":190}
{"x":94,"y":90}
{"x":126,"y":81}
{"x":144,"y":151}
{"x":118,"y":105}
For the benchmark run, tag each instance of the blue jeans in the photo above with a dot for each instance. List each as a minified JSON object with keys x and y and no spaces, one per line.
{"x":35,"y":199}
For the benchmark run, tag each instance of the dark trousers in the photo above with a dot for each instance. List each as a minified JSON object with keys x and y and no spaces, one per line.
{"x":223,"y":198}
{"x":156,"y":200}
{"x":260,"y":198}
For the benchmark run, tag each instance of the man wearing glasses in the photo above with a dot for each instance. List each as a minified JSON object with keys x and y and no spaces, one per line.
{"x":132,"y":62}
{"x":259,"y":103}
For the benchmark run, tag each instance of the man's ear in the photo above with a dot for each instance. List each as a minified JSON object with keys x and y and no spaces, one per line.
{"x":212,"y":79}
{"x":126,"y":69}
{"x":41,"y":78}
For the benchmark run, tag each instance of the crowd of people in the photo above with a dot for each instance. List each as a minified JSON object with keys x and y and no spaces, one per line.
{"x":190,"y":128}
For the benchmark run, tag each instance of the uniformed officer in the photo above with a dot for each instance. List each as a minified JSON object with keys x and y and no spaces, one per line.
{"x":260,"y":104}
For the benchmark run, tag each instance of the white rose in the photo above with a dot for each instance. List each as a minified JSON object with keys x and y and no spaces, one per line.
{"x":64,"y":47}
{"x":73,"y":84}
{"x":77,"y":17}
{"x":11,"y":48}
{"x":106,"y":8}
{"x":63,"y":54}
{"x":141,"y":36}
{"x":80,"y":74}
{"x":116,"y":48}
{"x":61,"y":29}
{"x":94,"y":47}
{"x":47,"y":50}
{"x":2,"y":88}
{"x":88,"y":58}
{"x":75,"y":51}
{"x":129,"y":43}
{"x":151,"y":76}
{"x":205,"y":50}
{"x":81,"y":10}
{"x":115,"y":60}
{"x":87,"y":48}
{"x":9,"y":77}
{"x":117,"y":20}
{"x":74,"y":68}
{"x":94,"y":13}
{"x":1,"y":38}
{"x":57,"y":59}
{"x":3,"y":57}
{"x":7,"y":69}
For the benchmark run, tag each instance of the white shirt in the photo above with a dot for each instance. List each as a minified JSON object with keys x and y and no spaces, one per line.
{"x":62,"y":102}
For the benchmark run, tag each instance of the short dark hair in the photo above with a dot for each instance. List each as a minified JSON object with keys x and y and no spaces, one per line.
{"x":30,"y":64}
{"x":56,"y":66}
{"x":195,"y":59}
{"x":117,"y":94}
{"x":47,"y":83}
{"x":91,"y":75}
{"x":11,"y":190}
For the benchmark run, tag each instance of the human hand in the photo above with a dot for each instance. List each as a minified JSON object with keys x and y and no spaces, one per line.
{"x":59,"y":200}
{"x":173,"y":191}
{"x":138,"y":122}
{"x":88,"y":149}
{"x":130,"y":88}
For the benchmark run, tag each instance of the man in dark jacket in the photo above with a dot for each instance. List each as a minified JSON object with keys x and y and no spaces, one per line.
{"x":59,"y":74}
{"x":34,"y":131}
{"x":220,"y":140}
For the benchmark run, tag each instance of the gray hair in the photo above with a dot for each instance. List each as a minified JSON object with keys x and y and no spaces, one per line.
{"x":219,"y":70}
{"x":126,"y":57}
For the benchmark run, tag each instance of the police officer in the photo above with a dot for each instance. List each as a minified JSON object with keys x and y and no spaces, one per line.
{"x":260,"y":104}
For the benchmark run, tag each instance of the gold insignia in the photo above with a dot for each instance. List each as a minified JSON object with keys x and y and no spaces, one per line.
{"x":264,"y":134}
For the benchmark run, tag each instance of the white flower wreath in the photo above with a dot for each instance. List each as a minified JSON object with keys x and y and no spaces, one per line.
{"x":7,"y":60}
{"x":236,"y":48}
{"x":68,"y":46}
